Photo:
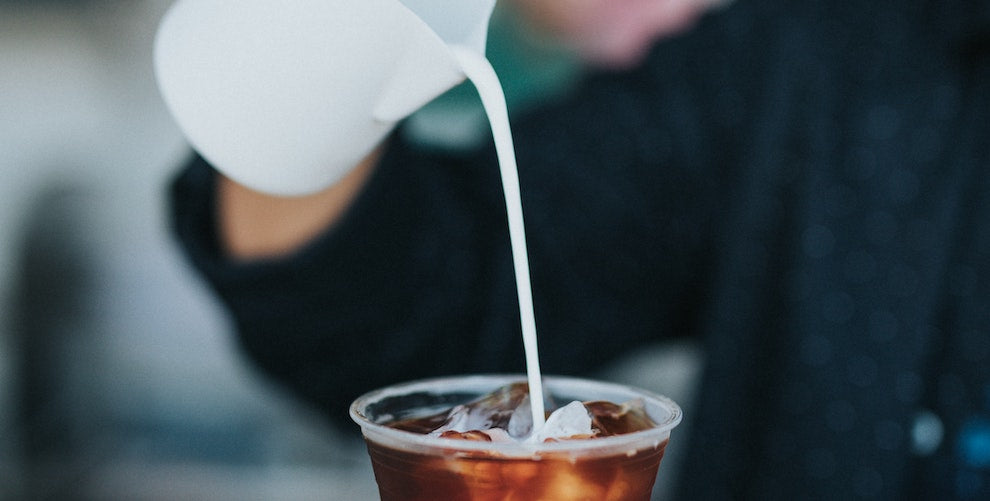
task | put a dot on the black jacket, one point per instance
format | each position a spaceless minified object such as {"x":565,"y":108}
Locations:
{"x":802,"y":186}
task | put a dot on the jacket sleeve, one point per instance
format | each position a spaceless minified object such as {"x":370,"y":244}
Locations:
{"x":388,"y":293}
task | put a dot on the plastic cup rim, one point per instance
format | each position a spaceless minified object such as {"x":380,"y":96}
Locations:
{"x":391,"y":437}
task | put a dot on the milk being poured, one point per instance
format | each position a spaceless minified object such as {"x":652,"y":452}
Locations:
{"x":481,"y":74}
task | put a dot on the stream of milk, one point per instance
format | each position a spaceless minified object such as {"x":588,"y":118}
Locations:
{"x":480,"y":72}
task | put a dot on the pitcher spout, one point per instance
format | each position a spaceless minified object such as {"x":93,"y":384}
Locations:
{"x":427,"y":66}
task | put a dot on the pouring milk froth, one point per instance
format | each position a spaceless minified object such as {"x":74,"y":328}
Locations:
{"x":263,"y":90}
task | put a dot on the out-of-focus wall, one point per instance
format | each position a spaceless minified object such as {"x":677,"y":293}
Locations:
{"x":118,"y":375}
{"x":77,"y":110}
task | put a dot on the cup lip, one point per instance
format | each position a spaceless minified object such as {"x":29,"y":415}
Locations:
{"x":607,"y":445}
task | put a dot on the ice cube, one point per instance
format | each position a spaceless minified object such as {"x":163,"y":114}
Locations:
{"x":570,"y":421}
{"x":521,"y":421}
{"x":472,"y":436}
{"x":499,"y":435}
{"x":492,"y":435}
{"x":566,"y":483}
{"x":617,"y":419}
{"x":491,"y":411}
{"x":620,"y":488}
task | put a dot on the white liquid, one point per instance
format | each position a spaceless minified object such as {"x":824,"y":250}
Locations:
{"x":481,"y":74}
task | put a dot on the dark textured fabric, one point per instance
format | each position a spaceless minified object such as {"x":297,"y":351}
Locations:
{"x":802,"y":186}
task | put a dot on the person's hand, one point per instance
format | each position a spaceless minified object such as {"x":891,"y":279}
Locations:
{"x":255,"y":225}
{"x":614,"y":33}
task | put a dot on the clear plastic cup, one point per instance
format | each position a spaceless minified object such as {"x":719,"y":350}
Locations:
{"x":414,"y":467}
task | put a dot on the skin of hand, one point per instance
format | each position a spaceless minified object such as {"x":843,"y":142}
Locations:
{"x":611,"y":33}
{"x":255,"y":225}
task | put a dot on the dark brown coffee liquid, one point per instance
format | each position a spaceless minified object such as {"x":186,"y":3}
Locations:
{"x":483,"y":476}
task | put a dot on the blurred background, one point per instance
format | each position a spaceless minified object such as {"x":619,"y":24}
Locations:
{"x":118,"y":375}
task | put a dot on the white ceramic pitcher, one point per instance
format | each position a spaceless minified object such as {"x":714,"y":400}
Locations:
{"x":286,"y":96}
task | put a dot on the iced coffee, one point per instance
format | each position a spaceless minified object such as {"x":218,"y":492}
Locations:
{"x":472,"y":438}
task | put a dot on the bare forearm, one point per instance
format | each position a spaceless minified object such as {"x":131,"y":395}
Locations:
{"x":255,"y":225}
